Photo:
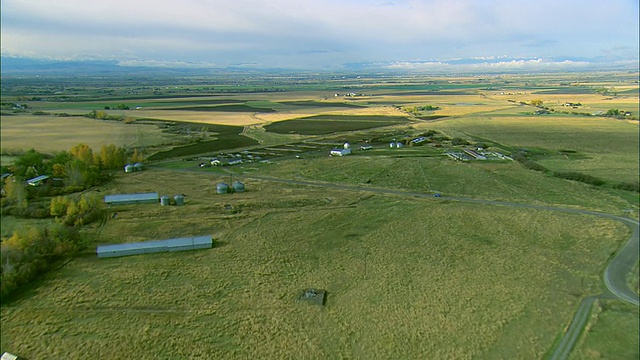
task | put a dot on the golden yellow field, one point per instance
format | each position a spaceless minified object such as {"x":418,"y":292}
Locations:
{"x":52,"y":133}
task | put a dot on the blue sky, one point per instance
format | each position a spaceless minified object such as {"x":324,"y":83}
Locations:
{"x":317,"y":34}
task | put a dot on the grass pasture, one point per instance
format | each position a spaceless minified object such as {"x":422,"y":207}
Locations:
{"x":506,"y":181}
{"x":434,"y":288}
{"x":407,"y":277}
{"x":610,"y":147}
{"x":611,"y":334}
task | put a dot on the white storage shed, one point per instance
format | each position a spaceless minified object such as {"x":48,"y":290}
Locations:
{"x":155,"y":246}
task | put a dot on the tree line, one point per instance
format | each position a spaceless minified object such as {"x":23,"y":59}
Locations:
{"x":32,"y":250}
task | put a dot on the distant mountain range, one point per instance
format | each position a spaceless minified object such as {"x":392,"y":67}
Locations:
{"x":29,"y":66}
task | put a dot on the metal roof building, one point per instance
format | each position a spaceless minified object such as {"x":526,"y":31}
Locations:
{"x":122,"y":199}
{"x":37,"y":181}
{"x":155,"y":246}
{"x":8,"y":356}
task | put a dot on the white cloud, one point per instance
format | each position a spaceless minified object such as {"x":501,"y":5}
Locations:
{"x":315,"y":32}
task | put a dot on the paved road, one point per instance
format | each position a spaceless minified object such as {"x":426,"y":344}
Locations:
{"x":615,"y":274}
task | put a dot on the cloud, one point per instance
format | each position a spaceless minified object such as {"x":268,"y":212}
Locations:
{"x":314,"y":33}
{"x":493,"y":65}
{"x":165,"y":64}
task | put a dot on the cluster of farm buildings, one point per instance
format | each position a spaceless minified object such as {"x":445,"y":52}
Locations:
{"x":479,"y":154}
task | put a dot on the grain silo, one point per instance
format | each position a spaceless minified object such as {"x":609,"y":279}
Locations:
{"x":164,"y":200}
{"x":222,"y":188}
{"x":128,"y":168}
{"x":179,"y":200}
{"x":238,"y":187}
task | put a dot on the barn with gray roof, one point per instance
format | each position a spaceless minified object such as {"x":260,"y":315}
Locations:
{"x":123,"y":199}
{"x":155,"y":246}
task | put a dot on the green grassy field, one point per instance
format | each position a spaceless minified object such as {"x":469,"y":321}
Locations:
{"x":484,"y":180}
{"x":389,"y":277}
{"x":611,"y":334}
{"x":610,"y":147}
{"x":407,"y":277}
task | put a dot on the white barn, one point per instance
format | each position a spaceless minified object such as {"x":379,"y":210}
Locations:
{"x":155,"y":246}
{"x":123,"y":199}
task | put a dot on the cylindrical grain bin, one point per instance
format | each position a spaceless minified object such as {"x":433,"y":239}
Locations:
{"x":164,"y":200}
{"x":179,"y":200}
{"x":128,"y":168}
{"x":222,"y":188}
{"x":238,"y":187}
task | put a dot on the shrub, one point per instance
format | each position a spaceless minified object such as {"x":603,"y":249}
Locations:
{"x":576,"y":176}
{"x":459,"y":141}
{"x":629,"y":186}
{"x":87,"y":209}
{"x":31,"y":251}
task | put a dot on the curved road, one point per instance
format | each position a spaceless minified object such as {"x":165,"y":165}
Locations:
{"x":615,"y":274}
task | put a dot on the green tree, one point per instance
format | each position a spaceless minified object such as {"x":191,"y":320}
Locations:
{"x":137,"y":156}
{"x":59,"y":205}
{"x":16,"y":193}
{"x":76,"y":171}
{"x":112,"y":157}
{"x":31,"y":159}
{"x":88,"y":209}
{"x":60,"y":158}
{"x":59,"y":170}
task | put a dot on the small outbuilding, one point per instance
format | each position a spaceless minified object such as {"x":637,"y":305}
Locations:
{"x":155,"y":246}
{"x":126,"y":199}
{"x":39,"y":180}
{"x":9,"y":356}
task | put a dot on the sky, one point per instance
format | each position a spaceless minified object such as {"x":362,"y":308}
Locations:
{"x":325,"y":34}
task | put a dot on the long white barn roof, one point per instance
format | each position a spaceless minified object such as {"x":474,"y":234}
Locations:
{"x":131,"y":197}
{"x":186,"y":243}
